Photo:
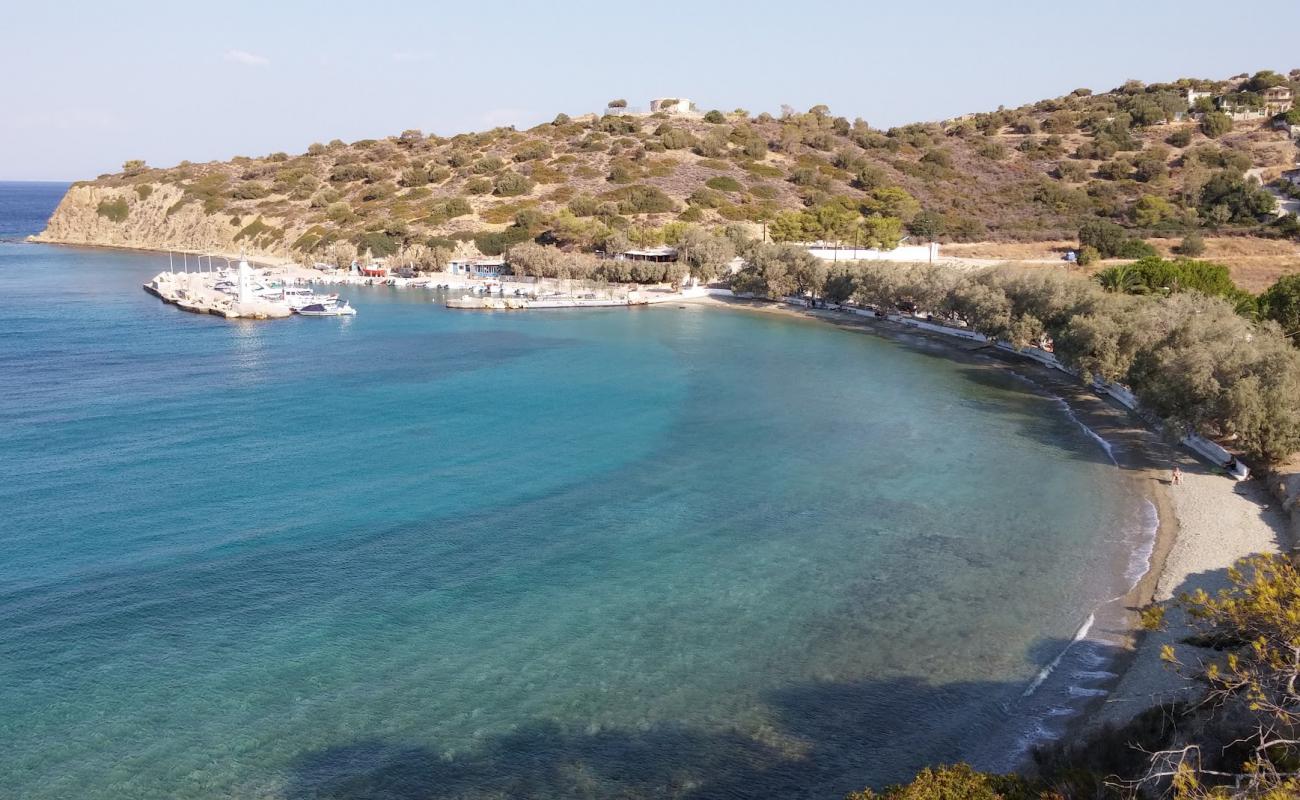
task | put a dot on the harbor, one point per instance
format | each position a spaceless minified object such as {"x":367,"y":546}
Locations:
{"x":242,"y":292}
{"x":245,"y":292}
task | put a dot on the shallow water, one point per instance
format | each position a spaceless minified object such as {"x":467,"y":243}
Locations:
{"x":423,"y":553}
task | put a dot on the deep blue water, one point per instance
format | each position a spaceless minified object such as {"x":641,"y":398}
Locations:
{"x":427,"y":553}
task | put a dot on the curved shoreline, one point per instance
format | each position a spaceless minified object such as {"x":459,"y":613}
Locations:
{"x":1204,"y":525}
{"x":1192,"y":547}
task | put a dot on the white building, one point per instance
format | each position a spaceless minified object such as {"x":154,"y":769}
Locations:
{"x":480,"y":268}
{"x":672,"y":105}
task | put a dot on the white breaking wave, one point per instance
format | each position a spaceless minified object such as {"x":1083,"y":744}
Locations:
{"x":1047,"y":670}
{"x":1140,"y":560}
{"x":1105,"y":445}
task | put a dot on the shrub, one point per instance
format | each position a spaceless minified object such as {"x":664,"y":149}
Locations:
{"x":993,"y":151}
{"x":1112,"y":241}
{"x":340,"y":212}
{"x":641,"y":199}
{"x":1215,"y":124}
{"x":487,"y":165}
{"x":620,"y":174}
{"x":143,"y":190}
{"x":724,"y":183}
{"x":533,"y":150}
{"x":495,"y":243}
{"x":457,"y":207}
{"x":1088,"y":255}
{"x":617,"y":124}
{"x":115,"y":210}
{"x":380,"y":243}
{"x":478,"y":186}
{"x":715,"y":117}
{"x":762,"y":170}
{"x":561,"y":119}
{"x":511,"y":184}
{"x":1179,"y":138}
{"x":415,"y":176}
{"x":1191,"y":246}
{"x":619,"y":103}
{"x":250,"y":190}
{"x":348,"y":173}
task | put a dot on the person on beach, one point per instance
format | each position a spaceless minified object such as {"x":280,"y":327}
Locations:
{"x":1178,"y":476}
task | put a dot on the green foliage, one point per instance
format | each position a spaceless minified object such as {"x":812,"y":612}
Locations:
{"x":255,"y":230}
{"x":1155,"y":275}
{"x":1112,"y":241}
{"x":250,"y":190}
{"x":532,"y":151}
{"x":457,"y":207}
{"x":1281,"y":303}
{"x":143,"y":190}
{"x":379,"y":243}
{"x":724,"y":183}
{"x":133,"y":167}
{"x":641,"y":199}
{"x":348,"y":173}
{"x":1088,"y":255}
{"x":715,"y":117}
{"x":1180,"y":138}
{"x":488,"y":165}
{"x":115,"y":210}
{"x":413,"y":177}
{"x":478,"y":186}
{"x":1228,"y":196}
{"x":495,"y":243}
{"x":561,"y":119}
{"x":1215,"y":124}
{"x":511,"y":184}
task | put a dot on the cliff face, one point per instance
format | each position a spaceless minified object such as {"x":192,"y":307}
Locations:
{"x":89,"y":214}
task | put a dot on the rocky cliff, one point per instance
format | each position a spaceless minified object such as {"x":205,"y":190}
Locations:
{"x":154,"y":219}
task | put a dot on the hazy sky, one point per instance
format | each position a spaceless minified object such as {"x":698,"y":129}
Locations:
{"x":89,"y":85}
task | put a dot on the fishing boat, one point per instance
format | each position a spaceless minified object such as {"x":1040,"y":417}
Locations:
{"x":327,"y":310}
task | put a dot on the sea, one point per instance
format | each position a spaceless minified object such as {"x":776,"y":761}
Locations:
{"x":419,"y":553}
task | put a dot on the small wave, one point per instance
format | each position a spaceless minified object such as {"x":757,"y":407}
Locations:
{"x":1140,"y":559}
{"x":1047,"y":670}
{"x":1093,"y":674}
{"x":1069,"y":412}
{"x":1084,"y":691}
{"x":1105,"y":445}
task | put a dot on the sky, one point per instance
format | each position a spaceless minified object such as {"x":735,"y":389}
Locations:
{"x":87,"y":86}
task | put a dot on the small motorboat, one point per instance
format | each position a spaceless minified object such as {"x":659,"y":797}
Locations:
{"x":341,"y":309}
{"x":298,"y":298}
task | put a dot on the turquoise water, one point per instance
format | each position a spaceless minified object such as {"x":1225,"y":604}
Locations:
{"x":671,"y":552}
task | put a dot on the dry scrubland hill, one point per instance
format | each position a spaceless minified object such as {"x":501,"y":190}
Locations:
{"x":1030,"y":173}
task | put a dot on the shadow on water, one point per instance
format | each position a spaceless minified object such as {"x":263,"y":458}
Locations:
{"x":826,"y":739}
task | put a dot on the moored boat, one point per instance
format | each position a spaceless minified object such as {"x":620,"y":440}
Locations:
{"x":327,"y":310}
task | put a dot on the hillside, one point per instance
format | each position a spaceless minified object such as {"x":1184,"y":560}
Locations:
{"x":1135,"y":155}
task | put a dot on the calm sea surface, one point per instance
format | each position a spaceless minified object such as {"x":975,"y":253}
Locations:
{"x":424,"y":553}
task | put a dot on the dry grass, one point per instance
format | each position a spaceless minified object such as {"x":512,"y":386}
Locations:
{"x":1255,"y":264}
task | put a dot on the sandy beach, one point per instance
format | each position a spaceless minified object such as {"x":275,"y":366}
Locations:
{"x":1206,"y":523}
